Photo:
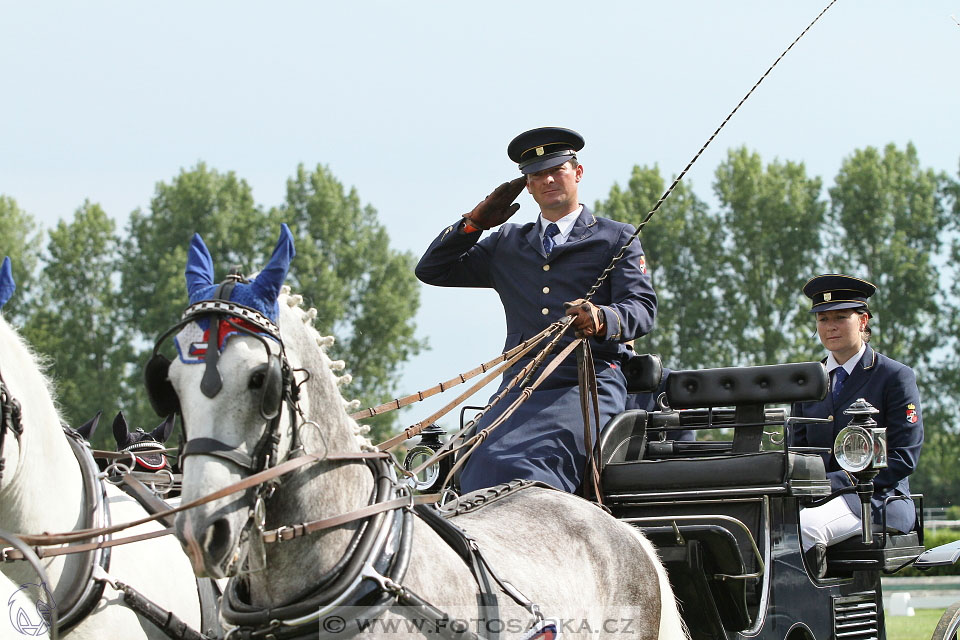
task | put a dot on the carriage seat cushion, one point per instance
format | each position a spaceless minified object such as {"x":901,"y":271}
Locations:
{"x":734,"y":470}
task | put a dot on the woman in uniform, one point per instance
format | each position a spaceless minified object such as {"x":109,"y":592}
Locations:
{"x":857,"y":371}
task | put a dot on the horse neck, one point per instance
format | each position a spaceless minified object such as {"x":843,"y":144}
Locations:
{"x":45,"y":490}
{"x":319,"y":491}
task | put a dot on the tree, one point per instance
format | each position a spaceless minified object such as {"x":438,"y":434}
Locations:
{"x":682,"y":249}
{"x":890,"y":214}
{"x":939,"y":472}
{"x":364,"y":291}
{"x":76,"y":323}
{"x":21,"y":241}
{"x":772,"y":219}
{"x":218,"y":206}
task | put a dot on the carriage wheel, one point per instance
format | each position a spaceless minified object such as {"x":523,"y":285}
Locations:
{"x":949,"y":623}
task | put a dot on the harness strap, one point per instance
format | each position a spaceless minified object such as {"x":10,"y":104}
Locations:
{"x":207,"y":589}
{"x":466,"y":547}
{"x":211,"y":383}
{"x":460,"y":379}
{"x":304,"y":528}
{"x":481,"y":435}
{"x":167,"y":621}
{"x":146,"y":498}
{"x":9,"y":418}
{"x":246,"y":483}
{"x":27,"y":554}
{"x":415,"y":430}
{"x":587,"y":376}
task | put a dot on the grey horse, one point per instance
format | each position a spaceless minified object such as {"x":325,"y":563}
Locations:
{"x":590,"y":574}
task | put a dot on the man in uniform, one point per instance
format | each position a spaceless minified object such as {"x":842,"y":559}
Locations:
{"x":536,"y":268}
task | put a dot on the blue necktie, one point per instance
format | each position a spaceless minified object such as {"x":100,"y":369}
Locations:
{"x":840,"y":374}
{"x":548,"y":244}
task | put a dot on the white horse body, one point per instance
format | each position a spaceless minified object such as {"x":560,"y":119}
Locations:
{"x":565,"y":554}
{"x":42,"y":491}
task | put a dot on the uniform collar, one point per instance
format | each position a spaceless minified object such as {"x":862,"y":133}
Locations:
{"x":849,"y":365}
{"x":565,"y":224}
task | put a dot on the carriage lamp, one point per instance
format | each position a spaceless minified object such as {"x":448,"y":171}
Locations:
{"x":430,"y":478}
{"x":861,"y":444}
{"x":861,"y":450}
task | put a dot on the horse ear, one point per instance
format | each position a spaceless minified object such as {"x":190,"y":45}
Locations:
{"x":7,"y":285}
{"x":268,"y":282}
{"x":121,"y":433}
{"x":199,"y":271}
{"x":90,"y":426}
{"x":162,"y":432}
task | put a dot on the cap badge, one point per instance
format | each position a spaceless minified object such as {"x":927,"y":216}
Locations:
{"x":826,"y":297}
{"x":539,"y":151}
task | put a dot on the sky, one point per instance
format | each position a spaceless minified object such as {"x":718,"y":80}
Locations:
{"x":413,"y":104}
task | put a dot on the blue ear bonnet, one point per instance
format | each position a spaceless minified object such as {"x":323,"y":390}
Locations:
{"x":260,"y":293}
{"x":7,"y":286}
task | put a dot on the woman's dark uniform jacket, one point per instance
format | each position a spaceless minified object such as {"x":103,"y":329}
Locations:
{"x":544,"y":439}
{"x":891,"y":387}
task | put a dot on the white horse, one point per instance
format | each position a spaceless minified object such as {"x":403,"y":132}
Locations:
{"x":596,"y":576}
{"x":43,"y":490}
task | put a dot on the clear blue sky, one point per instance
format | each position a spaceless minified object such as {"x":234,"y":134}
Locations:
{"x":413,"y":103}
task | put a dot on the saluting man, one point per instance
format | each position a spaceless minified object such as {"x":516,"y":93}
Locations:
{"x":536,"y":267}
{"x":857,"y":371}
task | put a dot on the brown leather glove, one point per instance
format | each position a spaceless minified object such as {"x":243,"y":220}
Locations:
{"x":496,"y":208}
{"x":590,"y":319}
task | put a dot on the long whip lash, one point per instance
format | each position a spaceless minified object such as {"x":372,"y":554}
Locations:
{"x":417,"y":397}
{"x":676,"y":181}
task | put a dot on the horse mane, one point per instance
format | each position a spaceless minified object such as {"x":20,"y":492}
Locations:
{"x":297,"y":328}
{"x":20,"y":358}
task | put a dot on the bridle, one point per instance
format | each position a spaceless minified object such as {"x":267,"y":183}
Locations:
{"x":10,"y":418}
{"x":276,"y":387}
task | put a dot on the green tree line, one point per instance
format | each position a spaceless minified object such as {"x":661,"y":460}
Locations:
{"x":728,"y":276}
{"x":101,"y":298}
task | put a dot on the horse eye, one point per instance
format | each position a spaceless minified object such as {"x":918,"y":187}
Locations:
{"x":256,"y":379}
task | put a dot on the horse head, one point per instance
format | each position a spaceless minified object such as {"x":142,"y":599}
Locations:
{"x":146,"y":448}
{"x":244,"y":383}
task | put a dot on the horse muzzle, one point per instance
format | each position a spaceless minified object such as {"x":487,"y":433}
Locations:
{"x":211,"y":543}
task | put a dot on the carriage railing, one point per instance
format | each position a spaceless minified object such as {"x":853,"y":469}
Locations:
{"x":720,"y":421}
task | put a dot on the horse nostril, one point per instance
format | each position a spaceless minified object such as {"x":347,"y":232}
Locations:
{"x":216,"y":540}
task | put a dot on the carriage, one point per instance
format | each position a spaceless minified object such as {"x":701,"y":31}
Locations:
{"x":722,"y":512}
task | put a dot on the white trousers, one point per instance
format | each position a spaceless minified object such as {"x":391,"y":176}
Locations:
{"x":829,"y":524}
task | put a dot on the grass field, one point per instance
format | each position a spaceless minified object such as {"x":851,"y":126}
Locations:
{"x":918,"y":627}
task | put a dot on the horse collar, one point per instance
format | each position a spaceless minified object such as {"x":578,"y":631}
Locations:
{"x":86,"y":589}
{"x":376,"y":560}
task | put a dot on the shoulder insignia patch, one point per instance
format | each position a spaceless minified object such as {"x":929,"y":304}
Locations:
{"x":912,"y":416}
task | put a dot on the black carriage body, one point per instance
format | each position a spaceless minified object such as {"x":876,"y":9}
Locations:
{"x":723,"y":515}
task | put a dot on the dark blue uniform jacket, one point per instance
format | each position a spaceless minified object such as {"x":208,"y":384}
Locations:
{"x":890,"y":387}
{"x":544,"y":439}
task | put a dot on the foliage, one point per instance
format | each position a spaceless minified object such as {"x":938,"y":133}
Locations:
{"x":889,"y":214}
{"x":772,"y":217}
{"x":681,"y":247}
{"x":21,"y":241}
{"x":364,"y":291}
{"x":728,"y":278}
{"x":75,"y":323}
